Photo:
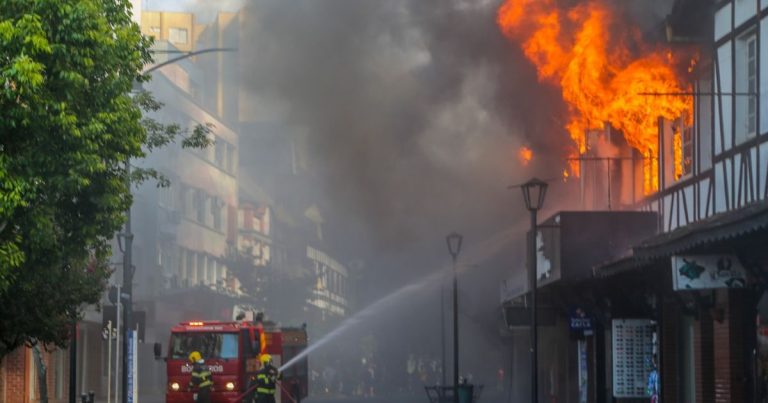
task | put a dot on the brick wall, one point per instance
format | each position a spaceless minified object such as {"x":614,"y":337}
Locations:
{"x":15,"y":381}
{"x":729,"y":349}
{"x":2,"y":380}
{"x":14,"y":369}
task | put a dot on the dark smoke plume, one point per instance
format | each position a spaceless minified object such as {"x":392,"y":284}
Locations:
{"x":415,"y":111}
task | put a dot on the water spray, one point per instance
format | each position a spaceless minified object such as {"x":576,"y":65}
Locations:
{"x":482,"y":250}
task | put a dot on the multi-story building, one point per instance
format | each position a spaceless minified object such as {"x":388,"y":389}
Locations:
{"x":176,"y":28}
{"x":680,"y":291}
{"x":275,"y":180}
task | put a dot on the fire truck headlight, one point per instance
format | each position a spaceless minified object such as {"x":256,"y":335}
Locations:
{"x":175,"y":386}
{"x":230,"y":386}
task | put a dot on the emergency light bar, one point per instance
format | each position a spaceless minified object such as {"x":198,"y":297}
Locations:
{"x":196,"y":323}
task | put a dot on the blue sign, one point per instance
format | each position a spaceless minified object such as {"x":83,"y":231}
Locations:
{"x":129,"y":387}
{"x":580,"y":322}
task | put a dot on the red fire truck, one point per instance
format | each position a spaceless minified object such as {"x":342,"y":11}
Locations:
{"x":231,"y":351}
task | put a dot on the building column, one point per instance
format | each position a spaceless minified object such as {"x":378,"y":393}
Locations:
{"x":704,"y":351}
{"x":669,"y":369}
{"x":730,"y":329}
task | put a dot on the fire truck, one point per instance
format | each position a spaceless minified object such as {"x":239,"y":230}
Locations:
{"x":231,"y":351}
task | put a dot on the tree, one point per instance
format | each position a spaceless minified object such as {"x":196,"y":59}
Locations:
{"x":69,"y":125}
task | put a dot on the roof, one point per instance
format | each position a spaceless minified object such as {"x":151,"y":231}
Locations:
{"x":720,"y":227}
{"x":710,"y":231}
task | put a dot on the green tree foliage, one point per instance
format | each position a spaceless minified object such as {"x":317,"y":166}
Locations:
{"x":68,"y":127}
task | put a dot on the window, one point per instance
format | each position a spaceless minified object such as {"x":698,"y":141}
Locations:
{"x":230,"y":158}
{"x":751,"y":45}
{"x":687,"y":150}
{"x":201,"y":275}
{"x":187,"y":200}
{"x":210,"y":345}
{"x":216,"y":207}
{"x":201,"y":200}
{"x":166,"y":197}
{"x":177,"y":35}
{"x":192,"y":268}
{"x":682,"y":144}
{"x":221,"y":147}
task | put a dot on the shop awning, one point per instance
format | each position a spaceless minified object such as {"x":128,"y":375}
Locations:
{"x":708,"y":232}
{"x":718,"y":228}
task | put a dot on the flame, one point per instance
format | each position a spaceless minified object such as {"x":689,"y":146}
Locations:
{"x":677,"y":153}
{"x":602,"y":81}
{"x":525,"y":154}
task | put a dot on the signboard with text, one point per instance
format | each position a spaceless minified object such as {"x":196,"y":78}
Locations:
{"x":580,"y":322}
{"x":632,"y":344}
{"x":698,"y":272}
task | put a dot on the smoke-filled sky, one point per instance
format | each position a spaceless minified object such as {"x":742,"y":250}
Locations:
{"x":415,"y":111}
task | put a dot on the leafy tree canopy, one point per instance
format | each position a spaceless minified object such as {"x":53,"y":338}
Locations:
{"x":68,"y":127}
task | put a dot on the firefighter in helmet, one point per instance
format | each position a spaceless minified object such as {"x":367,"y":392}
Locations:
{"x":266,"y":380}
{"x":201,"y":381}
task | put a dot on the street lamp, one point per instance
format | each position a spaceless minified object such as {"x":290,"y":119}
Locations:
{"x":454,"y":247}
{"x":534,"y":192}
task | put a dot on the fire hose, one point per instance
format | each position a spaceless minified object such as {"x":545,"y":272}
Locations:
{"x":239,"y":398}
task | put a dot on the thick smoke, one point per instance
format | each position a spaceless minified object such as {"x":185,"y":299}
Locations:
{"x":415,"y":111}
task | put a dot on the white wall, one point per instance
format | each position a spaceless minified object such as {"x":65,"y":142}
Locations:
{"x":724,"y":56}
{"x":722,"y":22}
{"x":745,"y":9}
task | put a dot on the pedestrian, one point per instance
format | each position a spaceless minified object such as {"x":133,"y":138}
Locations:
{"x":201,"y":381}
{"x":266,"y":380}
{"x":653,"y":381}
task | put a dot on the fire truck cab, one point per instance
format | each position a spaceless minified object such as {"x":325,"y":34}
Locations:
{"x":231,"y":351}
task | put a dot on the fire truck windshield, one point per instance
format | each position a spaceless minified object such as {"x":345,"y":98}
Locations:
{"x":210,"y":345}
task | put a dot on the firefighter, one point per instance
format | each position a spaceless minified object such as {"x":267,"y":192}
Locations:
{"x":201,"y":378}
{"x":266,"y":380}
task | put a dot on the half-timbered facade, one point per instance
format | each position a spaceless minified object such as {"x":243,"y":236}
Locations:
{"x":709,"y":193}
{"x":720,"y":163}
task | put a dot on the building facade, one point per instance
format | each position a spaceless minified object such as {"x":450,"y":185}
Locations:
{"x":686,"y":299}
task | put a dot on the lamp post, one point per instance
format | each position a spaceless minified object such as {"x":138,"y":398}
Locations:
{"x":534,"y":192}
{"x":442,"y":330}
{"x":454,"y":247}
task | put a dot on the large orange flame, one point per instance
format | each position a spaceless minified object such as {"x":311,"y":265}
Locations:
{"x":602,"y":81}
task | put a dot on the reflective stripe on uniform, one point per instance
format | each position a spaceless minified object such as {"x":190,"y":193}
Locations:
{"x":265,"y":390}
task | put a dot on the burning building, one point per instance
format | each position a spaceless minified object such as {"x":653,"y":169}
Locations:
{"x":672,"y":124}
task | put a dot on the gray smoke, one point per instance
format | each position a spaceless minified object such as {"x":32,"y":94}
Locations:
{"x":415,"y":111}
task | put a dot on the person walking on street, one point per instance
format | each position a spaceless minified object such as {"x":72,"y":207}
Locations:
{"x":266,"y":380}
{"x":201,"y":378}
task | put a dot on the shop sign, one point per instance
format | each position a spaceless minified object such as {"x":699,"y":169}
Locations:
{"x":632,"y":342}
{"x":696,"y":272}
{"x":580,"y":322}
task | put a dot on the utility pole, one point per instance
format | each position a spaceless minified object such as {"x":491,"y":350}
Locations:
{"x":454,"y":247}
{"x":127,"y":291}
{"x":73,"y":363}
